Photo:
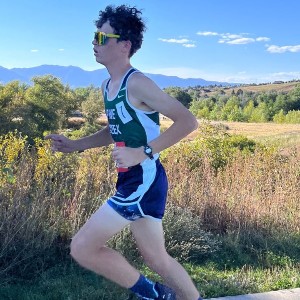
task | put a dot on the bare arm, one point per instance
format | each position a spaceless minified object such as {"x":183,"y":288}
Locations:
{"x":143,"y":92}
{"x":148,"y":92}
{"x":98,"y":139}
{"x":63,"y":144}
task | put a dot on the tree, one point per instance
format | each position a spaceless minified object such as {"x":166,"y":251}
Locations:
{"x":180,"y":95}
{"x":279,"y":117}
{"x":281,"y":103}
{"x":93,"y":106}
{"x":293,"y":117}
{"x":12,"y":104}
{"x":260,"y":113}
{"x":248,"y":110}
{"x":294,"y":99}
{"x":230,"y":110}
{"x":47,"y":105}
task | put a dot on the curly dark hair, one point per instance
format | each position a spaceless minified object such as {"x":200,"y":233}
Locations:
{"x":127,"y":22}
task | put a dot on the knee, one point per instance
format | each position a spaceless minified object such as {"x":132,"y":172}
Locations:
{"x":82,"y":251}
{"x":77,"y":249}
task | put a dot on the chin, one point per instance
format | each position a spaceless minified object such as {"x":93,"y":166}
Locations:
{"x":99,"y":60}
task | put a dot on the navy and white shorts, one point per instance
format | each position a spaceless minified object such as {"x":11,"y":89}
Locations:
{"x":141,"y":191}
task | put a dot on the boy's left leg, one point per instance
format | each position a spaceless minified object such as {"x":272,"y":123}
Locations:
{"x":149,"y":237}
{"x":88,"y":247}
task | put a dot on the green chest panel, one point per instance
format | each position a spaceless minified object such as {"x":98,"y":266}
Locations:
{"x":126,"y":123}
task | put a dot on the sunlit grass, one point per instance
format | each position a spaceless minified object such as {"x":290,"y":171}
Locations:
{"x":73,"y":283}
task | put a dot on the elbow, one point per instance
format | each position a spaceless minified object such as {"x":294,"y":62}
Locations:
{"x":196,"y":124}
{"x":193,"y":124}
{"x":189,"y":122}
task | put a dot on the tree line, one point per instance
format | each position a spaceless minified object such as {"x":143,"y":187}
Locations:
{"x":240,"y":106}
{"x":47,"y":105}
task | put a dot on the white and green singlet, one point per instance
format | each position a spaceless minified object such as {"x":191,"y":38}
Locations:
{"x":133,"y":126}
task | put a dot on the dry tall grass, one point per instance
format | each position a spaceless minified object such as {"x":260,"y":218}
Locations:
{"x":45,"y":198}
{"x":253,"y":192}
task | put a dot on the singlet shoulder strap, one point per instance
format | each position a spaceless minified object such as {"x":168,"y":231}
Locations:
{"x":132,"y":70}
{"x":124,"y":82}
{"x":107,"y":83}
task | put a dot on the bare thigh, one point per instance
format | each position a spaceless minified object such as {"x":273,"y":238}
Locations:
{"x":149,"y":237}
{"x":101,"y":226}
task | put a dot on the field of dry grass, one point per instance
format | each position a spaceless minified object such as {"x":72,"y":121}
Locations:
{"x":256,"y":131}
{"x":282,"y":87}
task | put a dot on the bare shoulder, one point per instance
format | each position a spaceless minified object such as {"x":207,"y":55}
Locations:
{"x":144,"y":90}
{"x":140,"y":80}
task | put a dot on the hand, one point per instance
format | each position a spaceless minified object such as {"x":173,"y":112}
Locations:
{"x":60,"y":143}
{"x":127,"y":157}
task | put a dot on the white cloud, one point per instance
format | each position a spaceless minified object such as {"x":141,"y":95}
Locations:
{"x":177,"y":41}
{"x":184,"y":42}
{"x":189,"y":45}
{"x":61,"y":49}
{"x":34,"y":50}
{"x":262,"y":39}
{"x":285,"y":76}
{"x":241,"y":41}
{"x":233,"y":38}
{"x":243,"y":77}
{"x":283,"y":49}
{"x":207,"y":33}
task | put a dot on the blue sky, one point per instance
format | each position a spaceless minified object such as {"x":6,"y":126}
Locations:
{"x":249,"y":41}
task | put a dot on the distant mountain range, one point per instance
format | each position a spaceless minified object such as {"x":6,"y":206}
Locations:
{"x":77,"y":77}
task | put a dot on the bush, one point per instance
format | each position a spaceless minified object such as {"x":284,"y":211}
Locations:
{"x":185,"y":240}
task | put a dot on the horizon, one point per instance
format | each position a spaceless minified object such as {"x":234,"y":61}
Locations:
{"x":214,"y":41}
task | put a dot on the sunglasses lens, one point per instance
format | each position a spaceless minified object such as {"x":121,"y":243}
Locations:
{"x":96,"y":37}
{"x":101,"y":38}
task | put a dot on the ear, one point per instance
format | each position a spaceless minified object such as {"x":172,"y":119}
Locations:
{"x":126,"y":46}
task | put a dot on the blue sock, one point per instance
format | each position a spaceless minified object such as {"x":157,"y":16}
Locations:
{"x":144,"y":288}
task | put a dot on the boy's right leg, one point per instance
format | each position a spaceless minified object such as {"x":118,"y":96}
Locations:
{"x":149,"y":236}
{"x":89,"y":250}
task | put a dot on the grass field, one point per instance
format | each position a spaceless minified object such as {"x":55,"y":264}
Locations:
{"x":284,"y":135}
{"x":270,"y":133}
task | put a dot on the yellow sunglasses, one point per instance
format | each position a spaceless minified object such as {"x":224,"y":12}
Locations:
{"x":102,"y":37}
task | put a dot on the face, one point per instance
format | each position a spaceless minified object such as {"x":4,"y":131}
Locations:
{"x":109,"y":50}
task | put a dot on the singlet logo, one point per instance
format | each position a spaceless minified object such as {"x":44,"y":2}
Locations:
{"x":123,"y":113}
{"x":114,"y":129}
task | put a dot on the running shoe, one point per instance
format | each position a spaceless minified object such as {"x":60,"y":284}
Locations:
{"x":164,"y":293}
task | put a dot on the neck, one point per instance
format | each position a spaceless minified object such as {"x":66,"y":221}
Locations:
{"x":117,"y":71}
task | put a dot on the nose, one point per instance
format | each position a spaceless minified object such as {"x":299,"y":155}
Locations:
{"x":94,"y":42}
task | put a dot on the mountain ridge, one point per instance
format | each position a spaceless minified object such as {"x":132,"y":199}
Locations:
{"x":78,"y":77}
